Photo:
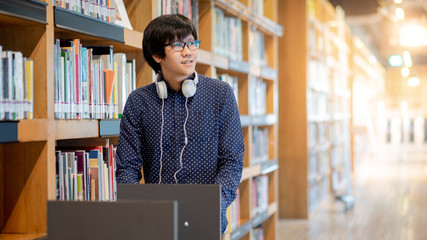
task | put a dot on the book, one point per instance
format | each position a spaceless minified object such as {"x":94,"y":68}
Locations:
{"x":7,"y":84}
{"x":29,"y":73}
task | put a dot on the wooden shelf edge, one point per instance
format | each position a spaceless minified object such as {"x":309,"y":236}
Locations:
{"x":251,"y":171}
{"x":33,"y":130}
{"x":70,"y":129}
{"x":133,"y":38}
{"x":204,"y":57}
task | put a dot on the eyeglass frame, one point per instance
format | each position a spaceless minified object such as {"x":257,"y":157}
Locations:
{"x":196,"y":42}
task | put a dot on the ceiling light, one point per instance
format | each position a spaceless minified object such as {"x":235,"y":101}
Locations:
{"x":399,"y":13}
{"x":405,"y":72}
{"x":413,"y":81}
{"x":412,"y":35}
{"x":395,"y":60}
{"x":398,"y":1}
{"x":407,"y":59}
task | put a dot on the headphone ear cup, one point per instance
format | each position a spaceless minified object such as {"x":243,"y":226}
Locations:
{"x":188,"y":88}
{"x":162,"y":90}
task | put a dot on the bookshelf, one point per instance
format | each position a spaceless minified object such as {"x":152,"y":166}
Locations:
{"x":315,"y":110}
{"x":27,"y":151}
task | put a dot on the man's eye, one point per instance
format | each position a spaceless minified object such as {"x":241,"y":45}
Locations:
{"x":190,"y":43}
{"x":177,"y":44}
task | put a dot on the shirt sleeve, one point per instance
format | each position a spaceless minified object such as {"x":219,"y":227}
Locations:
{"x":128,"y":157}
{"x":231,"y":149}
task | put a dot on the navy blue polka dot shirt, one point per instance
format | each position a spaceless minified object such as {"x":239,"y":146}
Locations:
{"x":214,"y":150}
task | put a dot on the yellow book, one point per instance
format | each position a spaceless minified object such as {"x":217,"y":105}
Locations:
{"x":29,"y":81}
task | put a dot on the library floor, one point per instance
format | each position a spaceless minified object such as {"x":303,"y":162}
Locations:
{"x":390,"y":194}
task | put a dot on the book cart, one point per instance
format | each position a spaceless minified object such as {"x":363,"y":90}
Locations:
{"x":27,"y":147}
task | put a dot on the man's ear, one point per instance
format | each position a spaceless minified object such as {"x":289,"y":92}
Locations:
{"x":156,"y":58}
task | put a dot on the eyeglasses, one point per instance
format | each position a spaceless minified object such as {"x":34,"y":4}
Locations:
{"x":179,"y":46}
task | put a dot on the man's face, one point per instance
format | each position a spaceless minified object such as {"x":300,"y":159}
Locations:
{"x":178,"y":65}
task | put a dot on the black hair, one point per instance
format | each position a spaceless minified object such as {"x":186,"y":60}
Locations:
{"x":161,"y":31}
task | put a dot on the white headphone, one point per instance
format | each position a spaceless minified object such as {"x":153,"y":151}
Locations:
{"x":188,"y":89}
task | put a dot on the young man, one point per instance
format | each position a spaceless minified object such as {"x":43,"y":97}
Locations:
{"x":184,"y":128}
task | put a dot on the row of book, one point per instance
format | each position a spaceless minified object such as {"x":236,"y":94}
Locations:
{"x":259,"y":195}
{"x":336,"y":131}
{"x":188,"y":8}
{"x":228,"y":40}
{"x":318,"y":103}
{"x":318,"y":164}
{"x":257,"y":45}
{"x":260,"y":142}
{"x":258,"y":233}
{"x":91,"y":82}
{"x":233,"y":81}
{"x":318,"y":76}
{"x":104,"y":10}
{"x":317,"y":191}
{"x":86,"y":173}
{"x":258,"y":93}
{"x":317,"y":134}
{"x":233,"y":214}
{"x":16,"y":86}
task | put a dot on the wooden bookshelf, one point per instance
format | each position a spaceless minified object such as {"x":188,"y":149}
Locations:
{"x":27,"y":154}
{"x":315,"y":105}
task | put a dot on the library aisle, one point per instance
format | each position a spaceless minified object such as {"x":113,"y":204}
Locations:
{"x":390,"y":193}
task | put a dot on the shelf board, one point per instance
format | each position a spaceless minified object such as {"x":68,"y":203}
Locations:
{"x":260,"y":218}
{"x":70,"y":129}
{"x":269,"y":167}
{"x":220,"y":61}
{"x":245,"y":120}
{"x":239,"y":66}
{"x":76,"y":22}
{"x":29,"y":10}
{"x":269,"y":73}
{"x":27,"y":130}
{"x":266,"y":214}
{"x":109,"y":127}
{"x":251,"y":171}
{"x":33,"y":130}
{"x":133,"y":38}
{"x":204,"y":57}
{"x":264,"y":120}
{"x":241,"y":231}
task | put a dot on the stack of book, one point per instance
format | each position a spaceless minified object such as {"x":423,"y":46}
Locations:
{"x":16,"y":86}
